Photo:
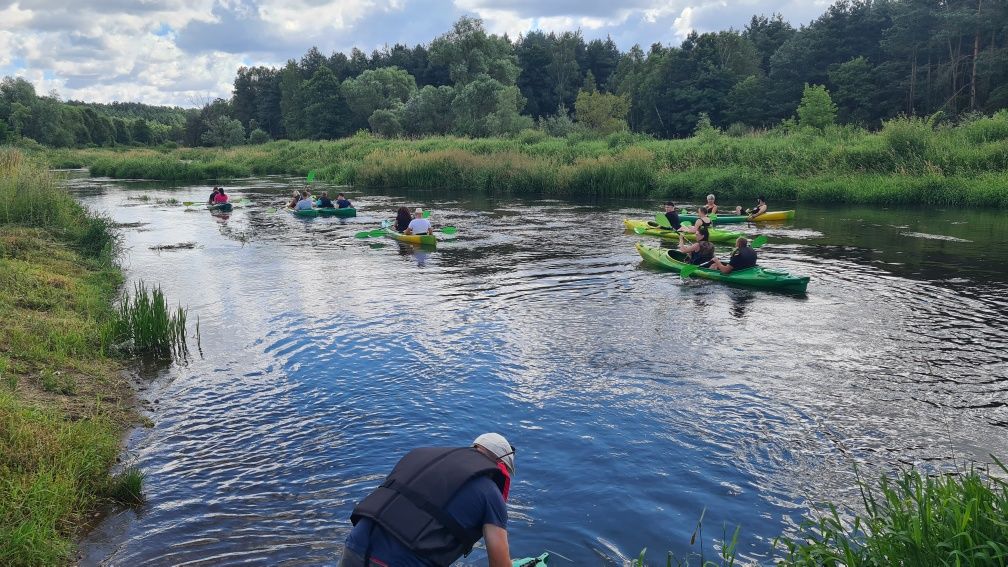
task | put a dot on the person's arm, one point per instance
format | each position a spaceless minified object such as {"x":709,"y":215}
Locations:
{"x":723,"y":268}
{"x":498,"y":554}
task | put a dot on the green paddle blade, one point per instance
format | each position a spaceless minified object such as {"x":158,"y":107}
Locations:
{"x":662,"y":220}
{"x":688,"y":270}
{"x":426,"y":214}
{"x":759,"y":241}
{"x":377,"y":232}
{"x":188,"y":203}
{"x":712,"y":217}
{"x":311,"y":176}
{"x":363,"y":234}
{"x":448,"y":230}
{"x":639,"y":229}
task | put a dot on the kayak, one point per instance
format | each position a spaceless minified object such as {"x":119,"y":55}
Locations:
{"x":311,"y":213}
{"x":220,"y":207}
{"x":541,"y":561}
{"x":421,"y":239}
{"x":729,"y":219}
{"x":716,"y":235}
{"x":757,"y":276}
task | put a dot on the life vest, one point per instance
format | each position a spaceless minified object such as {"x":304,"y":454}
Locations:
{"x":410,"y":504}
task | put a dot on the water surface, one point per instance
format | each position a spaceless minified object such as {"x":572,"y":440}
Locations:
{"x":635,"y":399}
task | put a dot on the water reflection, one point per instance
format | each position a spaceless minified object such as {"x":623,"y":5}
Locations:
{"x":639,"y":399}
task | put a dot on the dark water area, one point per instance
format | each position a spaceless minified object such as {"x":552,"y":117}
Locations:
{"x":635,"y":399}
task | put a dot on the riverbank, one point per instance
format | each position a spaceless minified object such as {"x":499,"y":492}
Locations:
{"x":909,"y":162}
{"x":64,"y":404}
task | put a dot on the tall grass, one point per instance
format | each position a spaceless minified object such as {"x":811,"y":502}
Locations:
{"x":913,"y":519}
{"x":910,"y":161}
{"x":145,"y":325}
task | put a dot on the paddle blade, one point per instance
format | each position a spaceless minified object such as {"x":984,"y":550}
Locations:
{"x":662,"y":220}
{"x":311,"y":176}
{"x":426,"y":214}
{"x":639,"y":229}
{"x":687,"y":270}
{"x":377,"y":232}
{"x":448,"y":230}
{"x":759,"y":241}
{"x":363,"y":234}
{"x":188,"y":203}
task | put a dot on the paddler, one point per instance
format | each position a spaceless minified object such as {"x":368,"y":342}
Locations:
{"x":712,"y":207}
{"x":434,"y":506}
{"x":761,"y":207}
{"x":342,"y":202}
{"x":742,"y":257}
{"x":702,"y":225}
{"x":210,"y":201}
{"x":700,"y":253}
{"x":324,"y":202}
{"x":419,"y":225}
{"x":402,"y":220}
{"x":672,"y":214}
{"x":305,"y":203}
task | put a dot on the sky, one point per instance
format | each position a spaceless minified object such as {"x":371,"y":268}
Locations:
{"x":186,"y":52}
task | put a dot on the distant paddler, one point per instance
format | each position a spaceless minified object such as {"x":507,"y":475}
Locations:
{"x":712,"y":207}
{"x":218,"y":197}
{"x":759,"y":209}
{"x":419,"y":225}
{"x":305,"y":203}
{"x":702,"y":225}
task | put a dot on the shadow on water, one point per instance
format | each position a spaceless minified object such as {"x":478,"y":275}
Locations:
{"x":636,"y":399}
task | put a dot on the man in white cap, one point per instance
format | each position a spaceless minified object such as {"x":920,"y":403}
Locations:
{"x":419,"y":225}
{"x":434,"y":506}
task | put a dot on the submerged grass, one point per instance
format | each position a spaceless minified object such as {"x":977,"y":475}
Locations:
{"x":910,"y":161}
{"x":63,"y":402}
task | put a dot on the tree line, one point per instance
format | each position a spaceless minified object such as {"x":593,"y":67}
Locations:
{"x":873,"y":60}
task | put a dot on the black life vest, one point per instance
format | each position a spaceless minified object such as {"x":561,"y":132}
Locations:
{"x":410,"y":504}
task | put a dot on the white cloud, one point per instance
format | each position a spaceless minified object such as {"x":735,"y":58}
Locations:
{"x":187,"y":51}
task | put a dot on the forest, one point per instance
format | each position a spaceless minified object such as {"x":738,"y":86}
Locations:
{"x":873,"y":59}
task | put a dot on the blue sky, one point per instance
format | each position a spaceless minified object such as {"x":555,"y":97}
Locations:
{"x":185,"y":52}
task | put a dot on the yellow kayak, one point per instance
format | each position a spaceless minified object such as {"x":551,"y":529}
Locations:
{"x":422,"y":239}
{"x":716,"y":235}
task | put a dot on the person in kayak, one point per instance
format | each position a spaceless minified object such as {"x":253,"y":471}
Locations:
{"x":702,"y":225}
{"x":305,"y":203}
{"x":742,"y":257}
{"x":213,"y":195}
{"x":434,"y":506}
{"x":295,"y":197}
{"x":402,"y":220}
{"x":220,"y":197}
{"x":761,"y":207}
{"x":324,"y":202}
{"x":700,"y":253}
{"x":672,"y":214}
{"x":342,"y":202}
{"x":712,"y":207}
{"x":419,"y":225}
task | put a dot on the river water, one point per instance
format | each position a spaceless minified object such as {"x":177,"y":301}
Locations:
{"x":635,"y":400}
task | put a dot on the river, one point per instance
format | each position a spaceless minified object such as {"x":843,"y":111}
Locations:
{"x":635,"y":400}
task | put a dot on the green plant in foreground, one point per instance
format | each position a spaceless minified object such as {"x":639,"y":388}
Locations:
{"x":914,"y":519}
{"x":726,"y":553}
{"x":126,"y":487}
{"x":145,"y":324}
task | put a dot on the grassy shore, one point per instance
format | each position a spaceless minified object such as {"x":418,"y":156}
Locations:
{"x":910,"y":161}
{"x":63,"y":402}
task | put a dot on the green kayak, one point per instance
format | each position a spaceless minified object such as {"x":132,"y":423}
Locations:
{"x":716,"y":235}
{"x":541,"y":561}
{"x":311,"y":213}
{"x":757,"y":277}
{"x":220,"y":207}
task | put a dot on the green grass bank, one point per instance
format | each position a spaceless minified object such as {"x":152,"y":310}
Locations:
{"x":64,"y":404}
{"x":910,"y":161}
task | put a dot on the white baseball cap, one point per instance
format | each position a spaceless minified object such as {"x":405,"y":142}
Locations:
{"x":499,"y":446}
{"x":418,"y":211}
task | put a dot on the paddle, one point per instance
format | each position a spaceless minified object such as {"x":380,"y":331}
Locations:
{"x":662,"y":221}
{"x":311,"y":176}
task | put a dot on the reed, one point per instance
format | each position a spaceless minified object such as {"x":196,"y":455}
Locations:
{"x":910,"y":161}
{"x":146,"y":325}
